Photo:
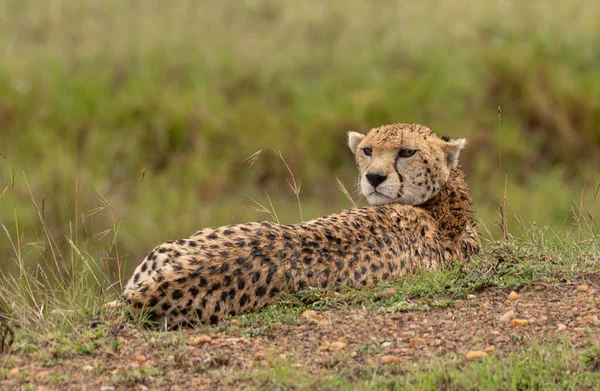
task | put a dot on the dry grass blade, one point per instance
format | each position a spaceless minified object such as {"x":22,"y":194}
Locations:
{"x":345,"y":191}
{"x":253,"y":158}
{"x":4,"y":191}
{"x":503,"y":218}
{"x":295,"y":185}
{"x":260,"y":208}
{"x":103,"y":234}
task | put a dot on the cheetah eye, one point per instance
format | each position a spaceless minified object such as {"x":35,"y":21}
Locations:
{"x":368,"y":151}
{"x":405,"y":152}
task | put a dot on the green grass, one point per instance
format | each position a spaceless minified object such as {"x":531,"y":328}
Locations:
{"x":98,"y":96}
{"x":123,"y":126}
{"x":541,"y":367}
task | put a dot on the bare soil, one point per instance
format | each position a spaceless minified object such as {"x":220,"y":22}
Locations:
{"x":338,"y":340}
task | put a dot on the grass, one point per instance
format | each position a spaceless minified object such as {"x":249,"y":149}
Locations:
{"x":543,"y":367}
{"x":54,"y":313}
{"x":123,"y":127}
{"x":157,"y":107}
{"x":59,"y":306}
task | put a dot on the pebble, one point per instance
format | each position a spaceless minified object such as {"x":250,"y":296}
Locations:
{"x":87,"y":368}
{"x":387,"y":293}
{"x":416,"y":342}
{"x":323,"y":323}
{"x":561,"y":327}
{"x":513,"y":296}
{"x":200,"y":339}
{"x":277,"y":325}
{"x":388,"y":359}
{"x":475,"y":354}
{"x":13,"y":372}
{"x":520,"y":322}
{"x":508,"y":316}
{"x":311,"y":315}
{"x":489,"y":349}
{"x":338,"y":345}
{"x":140,"y":358}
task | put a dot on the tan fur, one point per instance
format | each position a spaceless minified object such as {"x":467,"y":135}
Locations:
{"x":423,"y":220}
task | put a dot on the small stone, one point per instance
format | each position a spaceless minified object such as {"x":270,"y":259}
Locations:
{"x":475,"y":354}
{"x":141,"y":358}
{"x":87,"y":368}
{"x":338,"y":345}
{"x":507,"y":316}
{"x":389,"y":359}
{"x":323,"y":323}
{"x":471,"y":297}
{"x":13,"y":372}
{"x":353,"y":354}
{"x":583,"y":288}
{"x":311,"y":315}
{"x":277,"y":325}
{"x":387,"y":293}
{"x":489,"y":348}
{"x":196,"y":381}
{"x":520,"y":322}
{"x":414,"y":342}
{"x":561,"y":327}
{"x":199,"y":339}
{"x":323,"y":348}
{"x":386,"y":344}
{"x":513,"y":296}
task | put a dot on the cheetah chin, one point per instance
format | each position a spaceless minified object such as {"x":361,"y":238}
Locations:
{"x":420,"y":218}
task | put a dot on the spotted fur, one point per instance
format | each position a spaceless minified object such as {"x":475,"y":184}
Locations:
{"x":426,"y":223}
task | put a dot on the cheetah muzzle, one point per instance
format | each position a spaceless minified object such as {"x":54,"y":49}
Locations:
{"x":420,"y":218}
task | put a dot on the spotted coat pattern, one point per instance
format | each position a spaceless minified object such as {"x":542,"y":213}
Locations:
{"x":244,"y":267}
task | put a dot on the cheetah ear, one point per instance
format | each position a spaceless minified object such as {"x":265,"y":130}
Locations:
{"x":452,"y":149}
{"x":354,"y":138}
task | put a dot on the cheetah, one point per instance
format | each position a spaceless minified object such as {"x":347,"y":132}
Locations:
{"x":420,"y":218}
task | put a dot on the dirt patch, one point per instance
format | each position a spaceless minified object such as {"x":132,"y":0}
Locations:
{"x":331,"y":340}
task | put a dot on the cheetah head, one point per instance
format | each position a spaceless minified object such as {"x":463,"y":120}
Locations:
{"x":403,"y":163}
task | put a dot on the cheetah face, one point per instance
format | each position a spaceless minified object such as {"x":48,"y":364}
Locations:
{"x":403,"y":163}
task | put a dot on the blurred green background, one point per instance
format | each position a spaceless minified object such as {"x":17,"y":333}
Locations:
{"x":129,"y":121}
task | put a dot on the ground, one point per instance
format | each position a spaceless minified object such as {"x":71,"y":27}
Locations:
{"x":419,"y":333}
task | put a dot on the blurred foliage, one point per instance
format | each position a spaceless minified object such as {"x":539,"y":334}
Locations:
{"x":154,"y":106}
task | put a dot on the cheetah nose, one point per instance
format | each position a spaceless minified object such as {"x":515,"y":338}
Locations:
{"x":375,"y":179}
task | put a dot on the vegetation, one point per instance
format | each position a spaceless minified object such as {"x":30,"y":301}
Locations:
{"x":123,"y":125}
